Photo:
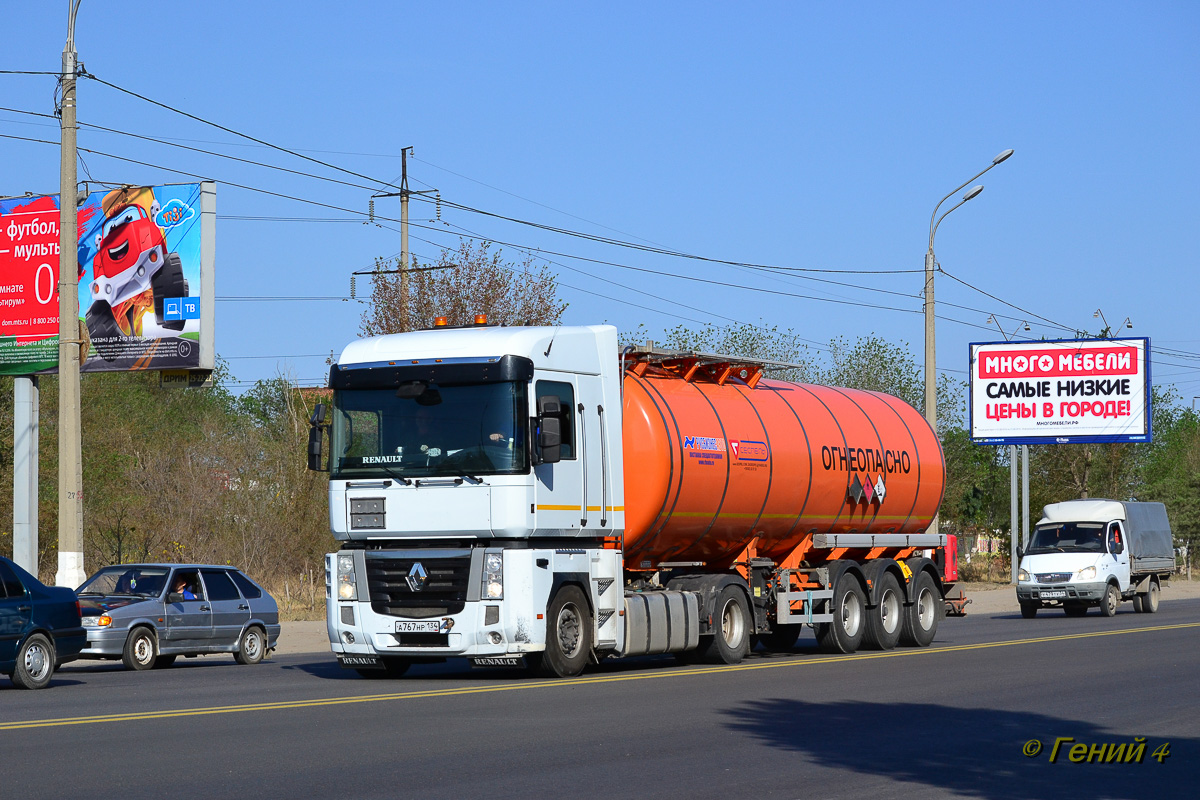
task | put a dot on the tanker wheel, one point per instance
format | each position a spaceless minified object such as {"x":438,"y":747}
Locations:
{"x":782,"y":638}
{"x":845,"y":633}
{"x":731,"y":621}
{"x":106,"y":336}
{"x":885,"y":619}
{"x":169,"y":282}
{"x":568,"y":635}
{"x":922,"y":617}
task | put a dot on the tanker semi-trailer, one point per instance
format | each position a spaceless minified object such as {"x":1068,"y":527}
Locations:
{"x":536,"y":496}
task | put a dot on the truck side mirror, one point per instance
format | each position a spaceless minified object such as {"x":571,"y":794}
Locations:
{"x":1020,"y":552}
{"x":549,"y":429}
{"x":314,"y":438}
{"x":318,"y":415}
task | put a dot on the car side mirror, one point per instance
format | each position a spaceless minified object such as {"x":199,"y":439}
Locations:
{"x":175,"y":597}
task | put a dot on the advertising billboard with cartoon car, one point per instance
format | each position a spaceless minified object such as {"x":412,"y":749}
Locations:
{"x":145,"y":279}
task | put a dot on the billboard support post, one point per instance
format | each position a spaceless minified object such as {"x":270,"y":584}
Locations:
{"x":25,"y":472}
{"x":70,"y":466}
{"x":1012,"y":508}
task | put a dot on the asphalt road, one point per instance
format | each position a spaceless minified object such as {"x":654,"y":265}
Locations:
{"x":950,"y":720}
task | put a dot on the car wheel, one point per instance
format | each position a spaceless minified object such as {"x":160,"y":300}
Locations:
{"x":140,"y":651}
{"x":162,"y":662}
{"x":845,"y":633}
{"x":731,"y":638}
{"x":921,"y":619}
{"x":252,"y":647}
{"x":1150,"y":601}
{"x":568,"y":635}
{"x":169,"y":282}
{"x":884,"y":620}
{"x":1112,"y":599}
{"x":106,"y":336}
{"x":1029,"y":610}
{"x":35,"y":663}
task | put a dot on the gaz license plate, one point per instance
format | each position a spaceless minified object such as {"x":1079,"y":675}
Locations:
{"x":1055,"y":593}
{"x":425,"y":626}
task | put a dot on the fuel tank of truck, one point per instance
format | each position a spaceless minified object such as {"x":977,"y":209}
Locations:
{"x":710,"y":466}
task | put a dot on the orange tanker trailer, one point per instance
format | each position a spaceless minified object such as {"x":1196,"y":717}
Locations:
{"x":818,"y":496}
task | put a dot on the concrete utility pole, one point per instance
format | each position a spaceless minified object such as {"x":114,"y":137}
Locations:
{"x":930,"y":264}
{"x":404,"y":321}
{"x":70,"y":460}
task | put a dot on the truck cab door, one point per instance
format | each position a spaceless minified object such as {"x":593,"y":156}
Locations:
{"x":558,"y":487}
{"x":1118,"y":549}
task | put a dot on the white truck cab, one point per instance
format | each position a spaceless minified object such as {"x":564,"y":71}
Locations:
{"x":1087,"y":553}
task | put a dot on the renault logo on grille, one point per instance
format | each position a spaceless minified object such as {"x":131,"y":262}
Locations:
{"x":417,"y":576}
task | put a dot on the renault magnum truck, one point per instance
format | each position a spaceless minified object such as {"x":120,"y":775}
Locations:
{"x":538,"y":496}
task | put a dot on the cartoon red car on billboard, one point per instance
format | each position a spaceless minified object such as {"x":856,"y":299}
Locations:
{"x":132,"y":271}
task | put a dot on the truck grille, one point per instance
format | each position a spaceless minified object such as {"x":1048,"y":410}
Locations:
{"x":441,"y":590}
{"x":1053,"y":577}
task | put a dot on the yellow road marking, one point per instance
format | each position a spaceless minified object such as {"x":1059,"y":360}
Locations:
{"x":596,"y":679}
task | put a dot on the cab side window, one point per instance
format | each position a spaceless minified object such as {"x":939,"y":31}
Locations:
{"x":565,"y":393}
{"x":1116,"y":539}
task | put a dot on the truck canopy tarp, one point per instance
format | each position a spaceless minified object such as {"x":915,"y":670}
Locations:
{"x":1148,"y":530}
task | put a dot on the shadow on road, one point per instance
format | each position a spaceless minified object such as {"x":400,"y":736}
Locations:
{"x":973,"y":752}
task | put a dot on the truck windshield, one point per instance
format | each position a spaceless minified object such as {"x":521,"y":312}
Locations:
{"x":1068,"y":537}
{"x":430,"y":431}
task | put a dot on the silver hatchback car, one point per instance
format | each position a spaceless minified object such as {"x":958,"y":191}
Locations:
{"x":148,"y":614}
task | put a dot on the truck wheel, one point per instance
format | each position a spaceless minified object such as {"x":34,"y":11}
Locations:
{"x":1110,"y":601}
{"x":102,"y":325}
{"x":845,"y":633}
{"x":1029,"y":610}
{"x":393,"y":667}
{"x":731,"y":621}
{"x":568,"y":635}
{"x":169,"y":282}
{"x":885,"y":619}
{"x":921,"y":619}
{"x":35,"y":663}
{"x":1150,"y":601}
{"x":782,"y":638}
{"x":139,"y":652}
{"x":1075,"y":609}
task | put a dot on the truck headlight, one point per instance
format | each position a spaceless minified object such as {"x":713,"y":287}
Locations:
{"x":493,"y":576}
{"x":345,"y":582}
{"x":1086,"y":573}
{"x":1022,"y":576}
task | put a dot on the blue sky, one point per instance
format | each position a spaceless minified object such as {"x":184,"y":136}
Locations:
{"x":791,"y":134}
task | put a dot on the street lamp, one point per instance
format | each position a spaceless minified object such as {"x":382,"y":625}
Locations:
{"x":930,"y":261}
{"x":993,"y":321}
{"x":1098,"y":314}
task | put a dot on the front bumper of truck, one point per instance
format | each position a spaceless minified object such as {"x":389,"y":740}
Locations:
{"x":1051,"y":594}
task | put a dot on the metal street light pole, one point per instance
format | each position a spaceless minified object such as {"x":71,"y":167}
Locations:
{"x":930,"y":263}
{"x":70,"y":466}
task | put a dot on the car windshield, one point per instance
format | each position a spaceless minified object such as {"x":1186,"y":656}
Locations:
{"x":425,"y":430}
{"x":122,"y":217}
{"x":1068,"y":537}
{"x":138,"y":581}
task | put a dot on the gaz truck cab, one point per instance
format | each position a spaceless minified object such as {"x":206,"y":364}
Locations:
{"x":1086,"y":553}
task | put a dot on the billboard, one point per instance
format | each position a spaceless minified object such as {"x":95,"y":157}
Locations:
{"x":1065,"y":391}
{"x":145,"y":259}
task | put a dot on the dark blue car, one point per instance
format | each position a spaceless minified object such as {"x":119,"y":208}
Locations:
{"x":40,"y":627}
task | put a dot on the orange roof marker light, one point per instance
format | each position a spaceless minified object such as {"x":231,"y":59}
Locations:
{"x":439,"y":322}
{"x":481,"y":319}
